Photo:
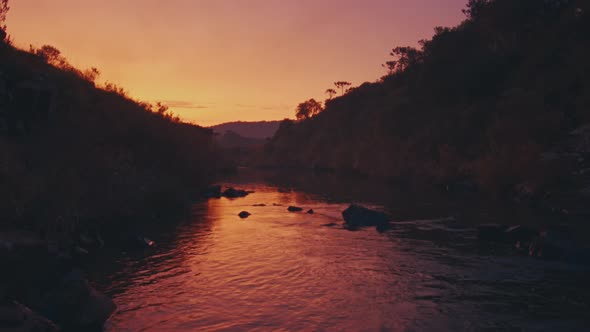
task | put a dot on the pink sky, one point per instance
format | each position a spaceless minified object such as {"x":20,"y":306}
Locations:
{"x":215,"y":61}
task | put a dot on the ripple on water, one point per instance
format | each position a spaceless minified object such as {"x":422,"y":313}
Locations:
{"x":278,"y":270}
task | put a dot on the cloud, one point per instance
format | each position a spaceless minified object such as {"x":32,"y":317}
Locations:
{"x":264,"y":107}
{"x":184,"y":104}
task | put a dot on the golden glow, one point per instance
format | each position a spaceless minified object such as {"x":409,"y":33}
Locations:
{"x":214,"y":61}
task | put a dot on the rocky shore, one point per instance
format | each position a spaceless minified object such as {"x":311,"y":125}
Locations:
{"x":43,"y":287}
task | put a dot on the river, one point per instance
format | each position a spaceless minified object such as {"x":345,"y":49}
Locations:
{"x":278,"y":270}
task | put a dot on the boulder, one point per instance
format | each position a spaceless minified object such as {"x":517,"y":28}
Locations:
{"x":356,"y":216}
{"x":244,"y":214}
{"x":15,"y":317}
{"x":75,"y":304}
{"x":213,"y":191}
{"x":234,"y":193}
{"x":294,"y":209}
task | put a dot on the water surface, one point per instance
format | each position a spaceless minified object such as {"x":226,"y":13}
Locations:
{"x":278,"y":270}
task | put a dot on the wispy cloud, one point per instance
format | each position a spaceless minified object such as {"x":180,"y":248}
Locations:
{"x":185,"y":104}
{"x":263,"y":107}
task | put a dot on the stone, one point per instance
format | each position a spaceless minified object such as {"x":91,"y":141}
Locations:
{"x":234,"y":193}
{"x":294,"y":209}
{"x":358,"y":216}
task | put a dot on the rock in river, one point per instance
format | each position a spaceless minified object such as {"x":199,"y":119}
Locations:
{"x":234,"y":193}
{"x":358,"y":216}
{"x":294,"y":209}
{"x":213,"y":191}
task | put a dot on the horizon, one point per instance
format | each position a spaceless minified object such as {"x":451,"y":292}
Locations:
{"x":157,"y":54}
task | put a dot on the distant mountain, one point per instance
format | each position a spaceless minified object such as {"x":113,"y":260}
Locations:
{"x":260,"y":129}
{"x":231,"y":139}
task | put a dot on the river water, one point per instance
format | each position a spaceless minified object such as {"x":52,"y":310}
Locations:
{"x":284,"y":271}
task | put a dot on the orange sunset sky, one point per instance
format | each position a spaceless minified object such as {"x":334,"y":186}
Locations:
{"x":215,"y":61}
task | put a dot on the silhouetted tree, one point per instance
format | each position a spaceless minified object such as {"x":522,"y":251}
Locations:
{"x":474,"y":8}
{"x":390,"y":66}
{"x":405,"y":56}
{"x":4,"y":8}
{"x":50,"y":54}
{"x":341,"y":85}
{"x":91,"y":74}
{"x":331,"y":93}
{"x":308,"y":109}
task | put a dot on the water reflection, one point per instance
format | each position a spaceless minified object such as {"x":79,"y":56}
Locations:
{"x":283,"y":271}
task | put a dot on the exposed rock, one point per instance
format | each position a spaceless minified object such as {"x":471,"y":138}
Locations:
{"x":310,"y":211}
{"x":294,"y":209}
{"x":234,"y":193}
{"x":144,"y":241}
{"x":74,"y":303}
{"x":358,"y":216}
{"x":244,"y":214}
{"x":15,"y":317}
{"x":213,"y":191}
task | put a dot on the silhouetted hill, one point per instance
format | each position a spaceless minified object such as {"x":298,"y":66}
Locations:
{"x":260,"y":129}
{"x":73,"y":153}
{"x":230,"y":139}
{"x":498,"y":103}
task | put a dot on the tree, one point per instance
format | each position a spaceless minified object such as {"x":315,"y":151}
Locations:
{"x":308,"y":109}
{"x":474,"y":8}
{"x":50,"y":54}
{"x":91,"y":74}
{"x":331,"y":93}
{"x":341,"y":85}
{"x":405,"y":56}
{"x":391,"y":67}
{"x":4,"y":8}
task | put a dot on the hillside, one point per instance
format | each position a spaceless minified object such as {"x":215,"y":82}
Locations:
{"x":260,"y":129}
{"x":74,"y":154}
{"x":498,"y":102}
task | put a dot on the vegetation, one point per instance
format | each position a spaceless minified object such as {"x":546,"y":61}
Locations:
{"x":331,"y":93}
{"x":341,"y":85}
{"x":308,"y":109}
{"x":75,"y":153}
{"x":487,"y":101}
